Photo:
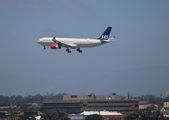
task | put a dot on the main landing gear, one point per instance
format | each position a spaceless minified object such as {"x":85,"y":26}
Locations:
{"x":79,"y":50}
{"x":68,"y":50}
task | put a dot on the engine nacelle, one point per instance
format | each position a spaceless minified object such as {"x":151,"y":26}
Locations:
{"x":54,"y":46}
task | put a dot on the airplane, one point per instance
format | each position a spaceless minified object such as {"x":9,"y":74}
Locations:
{"x":75,"y":43}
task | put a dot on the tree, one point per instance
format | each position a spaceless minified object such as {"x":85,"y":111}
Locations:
{"x":55,"y":115}
{"x":23,"y":107}
{"x":27,"y":117}
{"x":146,"y":114}
{"x":113,"y":118}
{"x":94,"y":117}
{"x":14,"y":117}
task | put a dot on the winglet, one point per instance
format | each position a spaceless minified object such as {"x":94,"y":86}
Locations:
{"x":105,"y":35}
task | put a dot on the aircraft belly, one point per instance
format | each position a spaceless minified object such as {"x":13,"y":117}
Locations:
{"x":88,"y":45}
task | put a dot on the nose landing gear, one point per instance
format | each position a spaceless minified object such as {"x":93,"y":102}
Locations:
{"x":44,"y":47}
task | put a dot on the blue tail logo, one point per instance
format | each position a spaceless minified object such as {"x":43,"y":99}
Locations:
{"x":105,"y":35}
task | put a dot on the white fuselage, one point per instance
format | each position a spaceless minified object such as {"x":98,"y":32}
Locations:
{"x":73,"y":42}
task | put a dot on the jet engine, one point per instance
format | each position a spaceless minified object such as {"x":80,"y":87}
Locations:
{"x":54,"y":46}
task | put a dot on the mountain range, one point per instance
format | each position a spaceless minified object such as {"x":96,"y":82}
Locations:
{"x":139,"y":81}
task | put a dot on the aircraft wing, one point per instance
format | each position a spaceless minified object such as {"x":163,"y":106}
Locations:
{"x":62,"y":44}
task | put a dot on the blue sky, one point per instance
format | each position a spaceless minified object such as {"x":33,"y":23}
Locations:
{"x":142,"y":27}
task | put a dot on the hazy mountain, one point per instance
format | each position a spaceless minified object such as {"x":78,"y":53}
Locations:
{"x":148,"y":80}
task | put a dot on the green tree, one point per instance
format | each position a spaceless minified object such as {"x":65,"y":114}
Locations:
{"x":27,"y":117}
{"x":114,"y":119}
{"x":23,"y":107}
{"x":55,"y":115}
{"x":14,"y":117}
{"x":94,"y":117}
{"x":146,"y":114}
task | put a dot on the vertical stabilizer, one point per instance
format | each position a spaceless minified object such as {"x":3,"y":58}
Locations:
{"x":106,"y":33}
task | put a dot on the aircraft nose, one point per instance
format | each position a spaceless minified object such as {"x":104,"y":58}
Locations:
{"x":39,"y":41}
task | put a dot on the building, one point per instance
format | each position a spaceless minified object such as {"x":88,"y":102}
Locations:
{"x":79,"y":97}
{"x":143,"y":105}
{"x":165,"y":112}
{"x":167,"y":94}
{"x":4,"y":114}
{"x":166,"y":104}
{"x":38,"y":117}
{"x":79,"y":103}
{"x":77,"y":117}
{"x":106,"y":115}
{"x":7,"y":107}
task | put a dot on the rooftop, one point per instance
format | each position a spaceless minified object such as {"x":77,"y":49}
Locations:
{"x":100,"y":113}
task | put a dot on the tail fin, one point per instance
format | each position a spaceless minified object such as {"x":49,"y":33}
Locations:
{"x":105,"y":35}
